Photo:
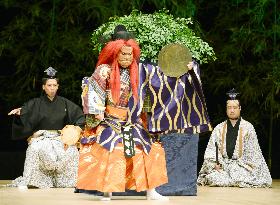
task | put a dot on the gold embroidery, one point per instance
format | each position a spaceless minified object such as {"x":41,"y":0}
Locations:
{"x":195,"y":108}
{"x":223,"y":137}
{"x":160,"y":100}
{"x":155,"y":97}
{"x":178,"y":105}
{"x":240,"y":143}
{"x":171,"y":97}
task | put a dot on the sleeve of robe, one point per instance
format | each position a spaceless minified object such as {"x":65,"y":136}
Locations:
{"x":75,"y":114}
{"x":185,"y":113}
{"x":210,"y":152}
{"x":23,"y":125}
{"x":197,"y":85}
{"x":252,"y":158}
{"x":250,"y":151}
{"x":94,"y":91}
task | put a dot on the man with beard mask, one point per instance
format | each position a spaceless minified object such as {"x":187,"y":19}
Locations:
{"x":117,"y":153}
{"x":233,"y":156}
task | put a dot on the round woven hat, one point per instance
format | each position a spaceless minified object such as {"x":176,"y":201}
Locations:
{"x":173,"y":59}
{"x":70,"y":134}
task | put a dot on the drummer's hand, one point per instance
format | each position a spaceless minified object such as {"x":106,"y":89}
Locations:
{"x":190,"y":65}
{"x":35,"y":134}
{"x":38,"y":133}
{"x":78,"y":128}
{"x":65,"y":147}
{"x":100,"y":116}
{"x":15,"y":111}
{"x":29,"y":140}
{"x":218,"y":167}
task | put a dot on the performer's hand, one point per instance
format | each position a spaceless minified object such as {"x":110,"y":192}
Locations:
{"x":78,"y":128}
{"x":100,"y":116}
{"x":38,"y":133}
{"x":105,"y":72}
{"x":15,"y":111}
{"x":35,"y":134}
{"x":218,"y":167}
{"x":190,"y":65}
{"x":65,"y":147}
{"x":29,"y":140}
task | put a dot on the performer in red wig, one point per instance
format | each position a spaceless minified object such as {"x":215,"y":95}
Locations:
{"x":117,"y":153}
{"x":125,"y":55}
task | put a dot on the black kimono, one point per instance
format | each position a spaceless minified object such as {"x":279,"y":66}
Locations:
{"x":47,"y":163}
{"x":43,"y":114}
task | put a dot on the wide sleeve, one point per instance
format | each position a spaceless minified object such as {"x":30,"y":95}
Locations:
{"x":253,"y":160}
{"x":174,"y":104}
{"x":94,"y":90}
{"x":195,"y":72}
{"x":252,"y":155}
{"x":23,"y":126}
{"x":75,"y":114}
{"x":211,"y":152}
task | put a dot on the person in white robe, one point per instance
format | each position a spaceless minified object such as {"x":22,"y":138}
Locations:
{"x":233,"y":156}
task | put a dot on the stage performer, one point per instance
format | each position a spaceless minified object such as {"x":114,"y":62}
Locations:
{"x":117,"y":152}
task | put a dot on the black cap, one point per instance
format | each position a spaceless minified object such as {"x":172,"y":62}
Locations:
{"x":232,"y":94}
{"x":50,"y":73}
{"x":120,"y":32}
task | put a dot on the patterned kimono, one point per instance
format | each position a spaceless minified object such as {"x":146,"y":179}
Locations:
{"x":246,"y":167}
{"x":176,"y":108}
{"x":105,"y":162}
{"x":177,"y":105}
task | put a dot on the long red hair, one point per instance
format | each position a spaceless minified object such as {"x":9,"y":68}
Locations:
{"x":109,"y":55}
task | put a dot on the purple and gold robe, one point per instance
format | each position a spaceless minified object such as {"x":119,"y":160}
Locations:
{"x":103,"y":164}
{"x":177,"y":104}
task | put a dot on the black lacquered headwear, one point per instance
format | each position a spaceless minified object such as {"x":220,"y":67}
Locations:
{"x":50,"y":73}
{"x":120,"y":32}
{"x":232,"y":94}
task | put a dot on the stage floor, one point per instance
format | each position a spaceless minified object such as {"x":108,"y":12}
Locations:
{"x":205,"y":195}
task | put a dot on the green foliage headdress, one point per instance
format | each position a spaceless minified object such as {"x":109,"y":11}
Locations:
{"x":154,"y":31}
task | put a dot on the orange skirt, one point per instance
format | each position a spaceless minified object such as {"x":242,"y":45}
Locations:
{"x":107,"y":171}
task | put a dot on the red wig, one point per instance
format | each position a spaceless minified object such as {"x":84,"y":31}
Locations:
{"x":109,"y":55}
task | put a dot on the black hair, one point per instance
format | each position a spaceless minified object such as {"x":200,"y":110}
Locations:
{"x":233,"y":99}
{"x":120,"y":32}
{"x":44,"y":80}
{"x":233,"y":95}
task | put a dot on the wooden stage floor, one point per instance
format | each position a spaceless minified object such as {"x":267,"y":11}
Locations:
{"x":205,"y":195}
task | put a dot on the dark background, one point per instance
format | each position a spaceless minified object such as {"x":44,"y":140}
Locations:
{"x":244,"y":35}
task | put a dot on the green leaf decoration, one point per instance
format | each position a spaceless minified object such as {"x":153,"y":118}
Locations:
{"x":153,"y":32}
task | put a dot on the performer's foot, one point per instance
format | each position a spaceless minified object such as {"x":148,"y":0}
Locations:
{"x":107,"y":196}
{"x":153,"y":195}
